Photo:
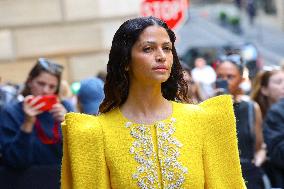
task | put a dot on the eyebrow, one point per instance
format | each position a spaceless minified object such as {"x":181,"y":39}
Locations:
{"x":153,"y":43}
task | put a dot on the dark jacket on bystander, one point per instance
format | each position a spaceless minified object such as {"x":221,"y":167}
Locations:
{"x":274,"y":138}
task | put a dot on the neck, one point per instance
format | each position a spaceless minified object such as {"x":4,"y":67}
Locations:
{"x":237,"y":95}
{"x":145,"y":104}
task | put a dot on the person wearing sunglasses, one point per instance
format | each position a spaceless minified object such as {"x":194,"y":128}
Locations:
{"x":248,"y":116}
{"x":31,"y":133}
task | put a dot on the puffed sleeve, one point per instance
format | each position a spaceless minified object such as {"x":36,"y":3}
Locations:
{"x":83,"y":163}
{"x":220,"y":150}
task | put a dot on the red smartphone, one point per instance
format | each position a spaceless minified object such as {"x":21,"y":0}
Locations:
{"x":48,"y":100}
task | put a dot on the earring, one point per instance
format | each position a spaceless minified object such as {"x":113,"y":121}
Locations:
{"x":126,"y":68}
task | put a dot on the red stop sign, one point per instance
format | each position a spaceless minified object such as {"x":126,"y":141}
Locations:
{"x":173,"y":12}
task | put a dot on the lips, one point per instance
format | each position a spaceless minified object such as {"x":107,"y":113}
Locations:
{"x":160,"y":68}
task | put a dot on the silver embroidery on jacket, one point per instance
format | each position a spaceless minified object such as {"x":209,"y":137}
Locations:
{"x":143,"y":151}
{"x":173,"y":172}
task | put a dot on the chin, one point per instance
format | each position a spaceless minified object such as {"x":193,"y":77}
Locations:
{"x":162,"y":79}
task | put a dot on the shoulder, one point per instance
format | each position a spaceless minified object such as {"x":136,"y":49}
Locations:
{"x":277,"y":106}
{"x":69,"y":107}
{"x":81,"y":132}
{"x":213,"y":111}
{"x":219,"y":110}
{"x":80,"y":119}
{"x":12,"y":107}
{"x":186,"y":107}
{"x":209,"y":68}
{"x":187,"y":111}
{"x":14,"y":110}
{"x":220,"y":119}
{"x":221,"y":103}
{"x":81,"y":123}
{"x":276,"y":110}
{"x":218,"y":102}
{"x":219,"y":115}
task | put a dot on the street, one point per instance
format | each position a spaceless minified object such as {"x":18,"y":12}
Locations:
{"x":203,"y":30}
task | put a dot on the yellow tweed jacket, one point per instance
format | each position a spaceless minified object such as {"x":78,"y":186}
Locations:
{"x":195,"y":148}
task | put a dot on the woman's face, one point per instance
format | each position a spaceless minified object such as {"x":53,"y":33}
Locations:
{"x":275,"y":88}
{"x":43,"y":84}
{"x":228,"y":71}
{"x":151,"y":56}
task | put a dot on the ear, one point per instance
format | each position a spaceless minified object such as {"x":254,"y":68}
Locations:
{"x":264,"y":91}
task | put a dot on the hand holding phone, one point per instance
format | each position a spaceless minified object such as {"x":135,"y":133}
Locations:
{"x":35,"y":105}
{"x":47,"y":100}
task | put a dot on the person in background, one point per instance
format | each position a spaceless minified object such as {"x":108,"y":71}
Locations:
{"x":194,"y":91}
{"x":90,"y":95}
{"x":238,"y":3}
{"x":266,"y":88}
{"x":249,"y":123}
{"x":204,"y":76}
{"x":251,"y":10}
{"x":30,"y":134}
{"x":144,"y":138}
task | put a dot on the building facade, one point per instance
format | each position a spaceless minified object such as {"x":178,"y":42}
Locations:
{"x":76,"y":34}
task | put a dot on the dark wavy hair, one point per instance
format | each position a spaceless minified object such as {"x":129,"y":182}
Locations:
{"x":117,"y":80}
{"x":43,"y":65}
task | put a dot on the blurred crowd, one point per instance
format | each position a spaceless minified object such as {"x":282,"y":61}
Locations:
{"x":258,"y":104}
{"x":31,"y":113}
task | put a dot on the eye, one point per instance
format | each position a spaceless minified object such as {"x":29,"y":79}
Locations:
{"x":278,"y":81}
{"x":230,"y":77}
{"x":52,"y":87}
{"x":40,"y":83}
{"x":167,"y":49}
{"x":147,"y":49}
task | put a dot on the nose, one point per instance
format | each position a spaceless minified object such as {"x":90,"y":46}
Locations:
{"x":160,"y":56}
{"x":46,"y":90}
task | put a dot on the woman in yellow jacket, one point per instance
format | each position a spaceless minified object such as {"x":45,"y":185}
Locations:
{"x":144,"y":137}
